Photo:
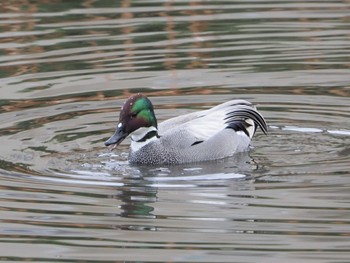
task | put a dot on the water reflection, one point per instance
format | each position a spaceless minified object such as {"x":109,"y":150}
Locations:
{"x":67,"y":67}
{"x":139,"y":195}
{"x":137,"y":200}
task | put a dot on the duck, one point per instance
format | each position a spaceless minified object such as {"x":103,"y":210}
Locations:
{"x":216,"y":133}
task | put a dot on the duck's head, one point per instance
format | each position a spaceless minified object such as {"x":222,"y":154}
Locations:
{"x":137,"y":112}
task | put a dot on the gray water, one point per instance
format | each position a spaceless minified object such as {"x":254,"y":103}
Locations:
{"x":67,"y":67}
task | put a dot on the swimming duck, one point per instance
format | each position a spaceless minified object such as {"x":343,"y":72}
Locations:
{"x":205,"y":135}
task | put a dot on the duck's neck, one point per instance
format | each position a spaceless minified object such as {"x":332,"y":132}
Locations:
{"x":143,"y":136}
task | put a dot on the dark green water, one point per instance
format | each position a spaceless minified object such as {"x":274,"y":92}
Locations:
{"x":66,"y":67}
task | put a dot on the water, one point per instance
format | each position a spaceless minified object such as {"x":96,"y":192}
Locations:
{"x":66,"y":68}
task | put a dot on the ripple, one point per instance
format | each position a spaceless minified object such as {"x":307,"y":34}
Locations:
{"x":67,"y":70}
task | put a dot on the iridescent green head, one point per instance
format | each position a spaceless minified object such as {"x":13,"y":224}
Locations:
{"x":136,"y":112}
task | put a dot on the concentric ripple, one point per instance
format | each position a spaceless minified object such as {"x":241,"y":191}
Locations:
{"x":66,"y":69}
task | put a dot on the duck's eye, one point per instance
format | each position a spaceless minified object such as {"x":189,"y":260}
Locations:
{"x":133,"y":115}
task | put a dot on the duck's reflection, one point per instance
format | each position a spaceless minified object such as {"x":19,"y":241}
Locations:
{"x":136,"y":199}
{"x":140,"y":192}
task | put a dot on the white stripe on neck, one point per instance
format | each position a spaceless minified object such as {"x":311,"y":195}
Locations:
{"x":138,"y":135}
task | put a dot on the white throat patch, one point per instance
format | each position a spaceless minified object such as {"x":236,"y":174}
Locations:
{"x":139,"y":134}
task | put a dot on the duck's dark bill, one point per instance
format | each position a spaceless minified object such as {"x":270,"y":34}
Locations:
{"x":116,"y":138}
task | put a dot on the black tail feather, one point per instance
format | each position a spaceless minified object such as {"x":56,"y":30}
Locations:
{"x":236,"y":119}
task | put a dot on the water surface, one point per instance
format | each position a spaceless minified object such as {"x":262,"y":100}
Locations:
{"x":66,"y":69}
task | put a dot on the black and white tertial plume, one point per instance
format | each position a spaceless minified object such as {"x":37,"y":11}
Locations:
{"x":246,"y":119}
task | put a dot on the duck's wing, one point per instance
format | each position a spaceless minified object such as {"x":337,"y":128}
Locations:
{"x":176,"y":122}
{"x":238,"y":115}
